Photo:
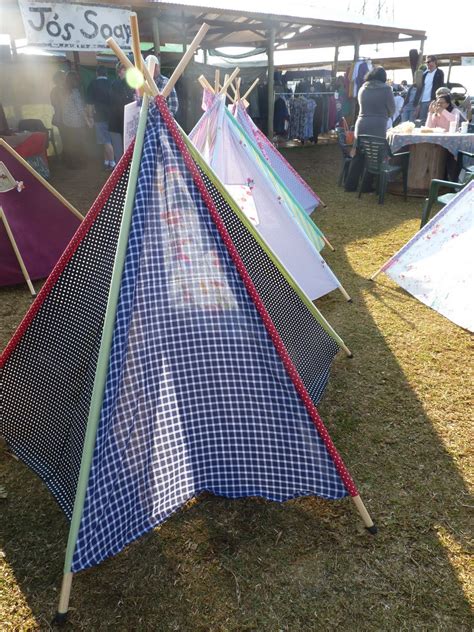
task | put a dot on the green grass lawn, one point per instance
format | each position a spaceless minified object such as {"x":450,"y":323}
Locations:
{"x":401,"y":416}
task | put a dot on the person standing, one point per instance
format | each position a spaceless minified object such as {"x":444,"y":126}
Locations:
{"x":98,"y":105}
{"x":161,"y":82}
{"x":75,"y":120}
{"x":376,"y":106}
{"x":395,"y":118}
{"x":433,"y":78}
{"x":120,"y":95}
{"x":409,"y":107}
{"x":56,"y":97}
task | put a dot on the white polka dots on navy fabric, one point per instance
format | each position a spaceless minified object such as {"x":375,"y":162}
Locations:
{"x":47,"y":380}
{"x":197,"y":396}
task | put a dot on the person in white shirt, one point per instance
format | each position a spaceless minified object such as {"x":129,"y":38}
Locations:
{"x":399,"y":101}
{"x":433,"y":78}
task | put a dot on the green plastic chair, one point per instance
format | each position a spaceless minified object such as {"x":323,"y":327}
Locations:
{"x":377,"y":156}
{"x":436,"y":185}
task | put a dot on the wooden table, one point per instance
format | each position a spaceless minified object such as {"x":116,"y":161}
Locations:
{"x":428,"y":155}
{"x":427,"y":161}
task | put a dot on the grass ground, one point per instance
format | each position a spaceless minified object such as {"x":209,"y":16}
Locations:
{"x":400,"y":414}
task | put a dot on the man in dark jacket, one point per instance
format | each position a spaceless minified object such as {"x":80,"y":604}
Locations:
{"x":433,"y":78}
{"x":98,"y":102}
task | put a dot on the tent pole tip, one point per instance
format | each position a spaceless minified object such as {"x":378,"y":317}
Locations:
{"x":372,"y":530}
{"x":60,"y":619}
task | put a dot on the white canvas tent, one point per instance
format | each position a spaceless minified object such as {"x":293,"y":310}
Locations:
{"x":437,"y":264}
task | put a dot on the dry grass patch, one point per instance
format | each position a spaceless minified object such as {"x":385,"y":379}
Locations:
{"x":400,"y":414}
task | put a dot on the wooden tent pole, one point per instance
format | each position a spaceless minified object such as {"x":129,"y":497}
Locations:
{"x":136,"y":48}
{"x":16,"y":250}
{"x":137,"y":55}
{"x":364,"y":514}
{"x":217,"y":79}
{"x":345,"y":294}
{"x":205,"y":84}
{"x":376,"y":274}
{"x":326,"y":240}
{"x":251,"y":88}
{"x":111,"y":43}
{"x":44,"y":182}
{"x":229,"y":80}
{"x":185,"y":59}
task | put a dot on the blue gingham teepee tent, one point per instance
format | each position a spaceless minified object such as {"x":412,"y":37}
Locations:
{"x":167,"y":354}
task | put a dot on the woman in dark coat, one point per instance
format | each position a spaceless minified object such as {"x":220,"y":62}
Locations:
{"x":376,"y":106}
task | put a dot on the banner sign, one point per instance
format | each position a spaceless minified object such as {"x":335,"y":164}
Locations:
{"x":74,"y":26}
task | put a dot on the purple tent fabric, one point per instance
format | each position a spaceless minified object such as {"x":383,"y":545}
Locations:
{"x":300,"y":190}
{"x":41,"y":225}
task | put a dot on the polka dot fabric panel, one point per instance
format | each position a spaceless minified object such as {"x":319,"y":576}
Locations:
{"x":47,"y":379}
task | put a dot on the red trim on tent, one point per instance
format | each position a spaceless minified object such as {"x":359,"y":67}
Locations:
{"x":68,"y":253}
{"x":293,"y":373}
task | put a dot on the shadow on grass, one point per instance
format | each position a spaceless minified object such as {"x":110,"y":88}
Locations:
{"x":307,"y":564}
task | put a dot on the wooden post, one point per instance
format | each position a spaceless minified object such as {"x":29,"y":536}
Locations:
{"x":155,"y":29}
{"x":356,"y":46}
{"x":185,"y":32}
{"x":16,"y":250}
{"x":420,"y":56}
{"x":449,"y":70}
{"x":270,"y":84}
{"x":335,"y":62}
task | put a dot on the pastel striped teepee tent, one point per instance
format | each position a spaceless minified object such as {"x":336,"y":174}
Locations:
{"x":298,"y":187}
{"x":277,"y":216}
{"x":160,"y":362}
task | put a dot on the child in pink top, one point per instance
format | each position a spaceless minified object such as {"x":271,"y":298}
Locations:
{"x":441,"y":112}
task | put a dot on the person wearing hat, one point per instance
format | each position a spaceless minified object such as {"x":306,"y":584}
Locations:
{"x":161,"y":81}
{"x":120,"y":95}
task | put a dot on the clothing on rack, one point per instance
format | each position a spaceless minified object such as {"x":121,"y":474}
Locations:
{"x":281,"y":116}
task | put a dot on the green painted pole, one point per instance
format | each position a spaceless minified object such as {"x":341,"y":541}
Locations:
{"x":102,"y":365}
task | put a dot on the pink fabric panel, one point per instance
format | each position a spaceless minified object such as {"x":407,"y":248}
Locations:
{"x":41,"y":224}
